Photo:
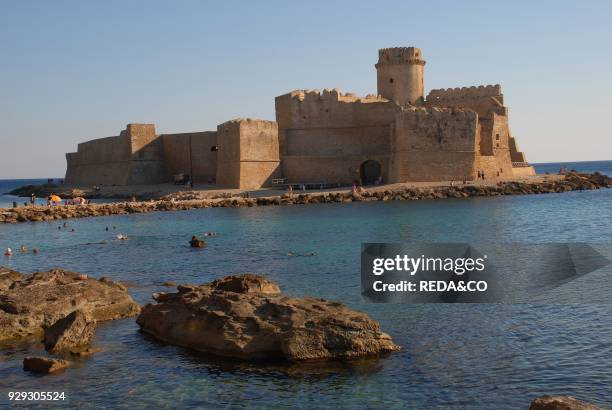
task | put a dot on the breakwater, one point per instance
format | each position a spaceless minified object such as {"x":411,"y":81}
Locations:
{"x":571,"y":182}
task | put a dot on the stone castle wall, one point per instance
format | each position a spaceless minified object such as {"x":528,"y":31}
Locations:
{"x":100,"y":161}
{"x":325,"y":136}
{"x":132,"y":157}
{"x":434,"y":144}
{"x":187,"y":152}
{"x":248,"y":155}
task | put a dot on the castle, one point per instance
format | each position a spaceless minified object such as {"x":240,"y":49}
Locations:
{"x":398,"y":135}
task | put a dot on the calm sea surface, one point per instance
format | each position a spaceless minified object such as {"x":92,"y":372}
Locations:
{"x":474,"y":356}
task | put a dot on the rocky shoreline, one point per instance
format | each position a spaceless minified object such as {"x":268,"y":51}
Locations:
{"x":183,"y":201}
{"x":239,"y":317}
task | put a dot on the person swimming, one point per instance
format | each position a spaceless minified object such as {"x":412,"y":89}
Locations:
{"x":196,"y":242}
{"x":8,"y":252}
{"x":122,"y":237}
{"x":23,"y":248}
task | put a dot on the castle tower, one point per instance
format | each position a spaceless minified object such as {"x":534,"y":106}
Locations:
{"x":400,"y":74}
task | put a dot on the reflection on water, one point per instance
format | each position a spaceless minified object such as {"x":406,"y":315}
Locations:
{"x":476,"y":356}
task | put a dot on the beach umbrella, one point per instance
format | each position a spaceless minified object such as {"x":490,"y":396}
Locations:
{"x":55,"y":198}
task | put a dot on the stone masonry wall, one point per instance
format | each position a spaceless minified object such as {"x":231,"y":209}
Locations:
{"x":132,"y":157}
{"x":325,"y":136}
{"x":433,"y":145}
{"x":482,"y":99}
{"x":176,"y":151}
{"x":100,"y":161}
{"x":248,"y":156}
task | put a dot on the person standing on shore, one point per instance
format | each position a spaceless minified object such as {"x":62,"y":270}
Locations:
{"x":32,"y":199}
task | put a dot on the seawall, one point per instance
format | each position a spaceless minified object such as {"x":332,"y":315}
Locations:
{"x":572,"y":182}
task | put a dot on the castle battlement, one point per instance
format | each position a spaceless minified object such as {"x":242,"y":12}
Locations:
{"x":466,"y":92}
{"x":434,"y":110}
{"x":241,"y":120}
{"x":400,"y":55}
{"x":333,"y":94}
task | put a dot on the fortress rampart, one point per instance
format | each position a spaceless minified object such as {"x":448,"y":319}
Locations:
{"x":396,"y":135}
{"x":190,"y":154}
{"x":325,"y":136}
{"x":433,"y":143}
{"x":248,"y":153}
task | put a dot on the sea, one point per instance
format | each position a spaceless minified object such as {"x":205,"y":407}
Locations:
{"x":476,"y":356}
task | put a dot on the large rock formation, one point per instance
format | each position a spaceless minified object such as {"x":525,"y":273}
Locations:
{"x":31,"y":303}
{"x":246,"y":317}
{"x":560,"y":403}
{"x":74,"y":331}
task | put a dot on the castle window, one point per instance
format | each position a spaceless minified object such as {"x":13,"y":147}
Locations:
{"x":497,"y":137}
{"x":390,"y":80}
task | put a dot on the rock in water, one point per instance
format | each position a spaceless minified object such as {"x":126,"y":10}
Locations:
{"x":560,"y":403}
{"x":44,"y":365}
{"x":34,"y":302}
{"x":246,"y":317}
{"x":75,"y":330}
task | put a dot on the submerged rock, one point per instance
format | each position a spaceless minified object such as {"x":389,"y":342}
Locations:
{"x":32,"y":303}
{"x":560,"y":403}
{"x":246,"y":317}
{"x":44,"y":365}
{"x":72,"y":331}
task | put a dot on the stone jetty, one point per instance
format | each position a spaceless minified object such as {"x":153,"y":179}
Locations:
{"x":181,"y":201}
{"x":246,"y":317}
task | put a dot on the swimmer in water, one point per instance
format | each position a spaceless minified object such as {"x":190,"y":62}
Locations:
{"x":23,"y":248}
{"x":35,"y":251}
{"x":8,"y":252}
{"x":122,"y":237}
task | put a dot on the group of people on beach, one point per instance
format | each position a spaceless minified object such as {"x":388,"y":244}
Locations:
{"x":53,"y":200}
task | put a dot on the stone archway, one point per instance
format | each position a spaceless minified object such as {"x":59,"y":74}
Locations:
{"x":370,"y":172}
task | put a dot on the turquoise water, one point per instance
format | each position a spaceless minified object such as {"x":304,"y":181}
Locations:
{"x":475,"y":356}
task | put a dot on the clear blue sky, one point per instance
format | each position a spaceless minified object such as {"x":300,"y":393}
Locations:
{"x":77,"y":70}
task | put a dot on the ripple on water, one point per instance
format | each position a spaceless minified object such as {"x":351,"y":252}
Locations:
{"x":460,"y":355}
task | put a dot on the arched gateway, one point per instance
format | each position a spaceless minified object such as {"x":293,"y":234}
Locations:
{"x":370,"y":172}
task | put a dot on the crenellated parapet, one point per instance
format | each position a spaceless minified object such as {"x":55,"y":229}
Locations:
{"x":466,"y":92}
{"x":482,"y":99}
{"x":400,"y":55}
{"x":331,"y":95}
